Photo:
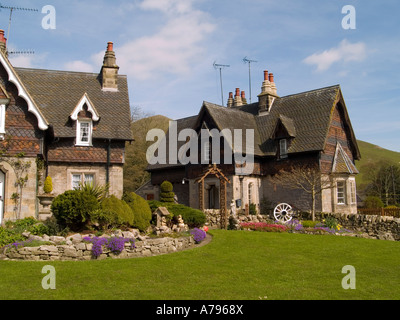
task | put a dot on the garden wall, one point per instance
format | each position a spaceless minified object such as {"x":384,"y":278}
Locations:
{"x":80,"y":250}
{"x":370,"y":226}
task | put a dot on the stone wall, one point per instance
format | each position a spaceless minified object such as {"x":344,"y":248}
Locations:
{"x":369,"y":226}
{"x":78,"y":250}
{"x":378,"y":227}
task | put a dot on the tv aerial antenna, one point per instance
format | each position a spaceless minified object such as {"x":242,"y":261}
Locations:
{"x":220,"y":66}
{"x":246,"y":60}
{"x":12,"y":8}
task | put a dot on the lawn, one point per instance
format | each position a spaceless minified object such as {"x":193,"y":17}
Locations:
{"x":235,"y":265}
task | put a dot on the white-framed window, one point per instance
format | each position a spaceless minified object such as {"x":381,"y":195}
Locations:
{"x":341,"y":191}
{"x":84,"y":133}
{"x":283,"y":148}
{"x":353,"y":197}
{"x":250,"y":193}
{"x":206,"y":152}
{"x":82,"y":178}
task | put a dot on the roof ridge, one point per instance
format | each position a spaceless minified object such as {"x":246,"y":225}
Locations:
{"x":310,"y":91}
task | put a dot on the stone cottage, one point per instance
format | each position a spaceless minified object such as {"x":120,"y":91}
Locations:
{"x":71,"y":126}
{"x":311,"y":128}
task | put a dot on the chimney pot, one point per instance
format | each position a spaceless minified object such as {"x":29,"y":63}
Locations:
{"x":243,"y":94}
{"x":231,"y":95}
{"x":265,"y":75}
{"x":2,"y":39}
{"x":110,"y":46}
{"x":271,"y":77}
{"x":237,"y":92}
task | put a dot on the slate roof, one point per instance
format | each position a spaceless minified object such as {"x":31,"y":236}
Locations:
{"x":306,"y":117}
{"x":56,"y":93}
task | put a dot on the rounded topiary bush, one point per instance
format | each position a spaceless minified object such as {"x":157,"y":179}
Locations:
{"x":119,"y":207}
{"x":372,"y":202}
{"x":48,"y":185}
{"x":141,"y":210}
{"x":72,"y":208}
{"x":167,"y":194}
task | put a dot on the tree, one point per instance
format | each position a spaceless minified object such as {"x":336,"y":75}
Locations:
{"x":306,"y":178}
{"x":383,"y":179}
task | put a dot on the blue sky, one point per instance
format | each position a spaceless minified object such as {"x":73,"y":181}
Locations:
{"x":167,"y":49}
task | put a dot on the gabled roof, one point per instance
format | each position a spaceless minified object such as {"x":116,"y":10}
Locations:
{"x":23,"y":92}
{"x":58,"y":93}
{"x":306,"y":117}
{"x":342,"y":163}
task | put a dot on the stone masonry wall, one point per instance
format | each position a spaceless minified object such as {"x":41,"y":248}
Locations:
{"x":376,"y":227}
{"x":78,"y":250}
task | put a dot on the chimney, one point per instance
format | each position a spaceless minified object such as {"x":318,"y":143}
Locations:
{"x":109,"y":71}
{"x":3,"y":42}
{"x":272,"y":83}
{"x":238,"y":99}
{"x":244,"y":100}
{"x":230,"y":100}
{"x":268,"y":93}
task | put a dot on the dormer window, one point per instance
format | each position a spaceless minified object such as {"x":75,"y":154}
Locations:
{"x":84,"y":133}
{"x":84,"y":114}
{"x":283,"y":149}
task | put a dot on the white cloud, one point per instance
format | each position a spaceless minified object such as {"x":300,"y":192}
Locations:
{"x":22,"y":61}
{"x":78,"y":65}
{"x":173,"y":48}
{"x":344,"y":52}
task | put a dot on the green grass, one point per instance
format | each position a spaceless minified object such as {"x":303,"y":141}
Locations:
{"x":237,"y":265}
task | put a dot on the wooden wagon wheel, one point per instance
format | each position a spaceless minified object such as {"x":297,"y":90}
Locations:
{"x":283,"y":212}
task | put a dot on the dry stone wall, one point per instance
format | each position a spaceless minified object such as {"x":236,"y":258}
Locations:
{"x":368,"y":226}
{"x":74,"y":248}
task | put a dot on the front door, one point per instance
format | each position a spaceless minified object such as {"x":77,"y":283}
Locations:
{"x":2,"y":183}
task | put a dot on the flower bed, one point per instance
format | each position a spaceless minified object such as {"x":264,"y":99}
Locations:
{"x":263,"y":226}
{"x":296,"y":226}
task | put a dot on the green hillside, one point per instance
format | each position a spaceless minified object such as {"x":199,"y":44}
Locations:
{"x":371,"y":154}
{"x":135,"y":152}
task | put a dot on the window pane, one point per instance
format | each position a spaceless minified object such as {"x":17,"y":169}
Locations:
{"x":76,"y":179}
{"x":341,"y":192}
{"x":283,"y":148}
{"x":84,"y":132}
{"x":89,"y":179}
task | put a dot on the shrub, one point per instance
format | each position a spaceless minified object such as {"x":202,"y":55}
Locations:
{"x":100,"y":192}
{"x":72,"y":208}
{"x":120,"y":208}
{"x":252,"y":209}
{"x":21,"y":225}
{"x":309,"y":223}
{"x":39,"y":229}
{"x":105,"y":218}
{"x":48,"y":185}
{"x":167,"y":194}
{"x":141,"y":210}
{"x":331,"y":223}
{"x":194,"y":218}
{"x":372,"y":202}
{"x":8,"y":236}
{"x":53,"y":228}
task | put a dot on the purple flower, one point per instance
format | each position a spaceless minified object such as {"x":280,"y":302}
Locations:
{"x":198,"y":235}
{"x":115,"y":244}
